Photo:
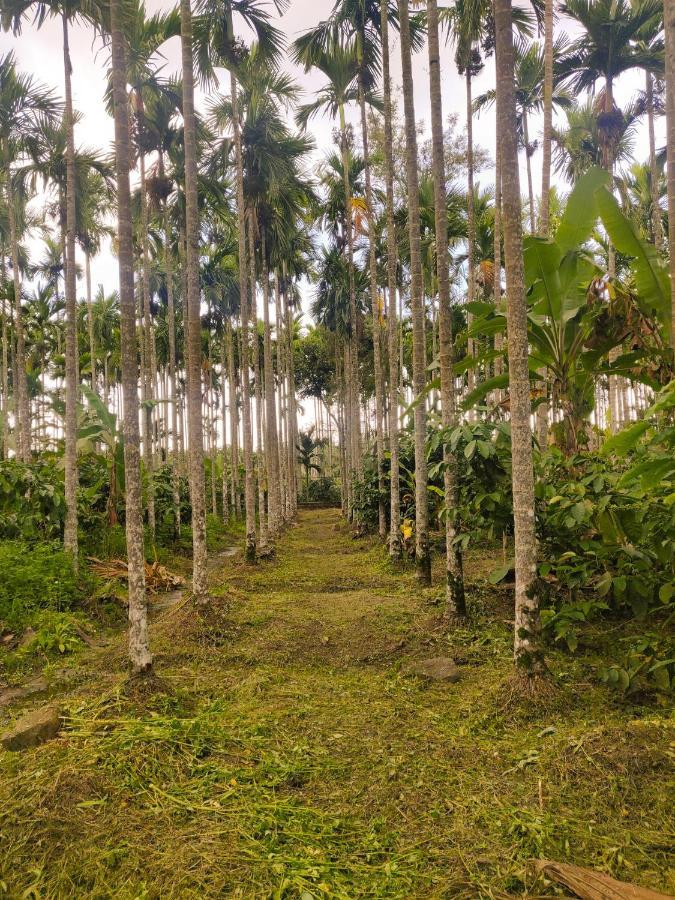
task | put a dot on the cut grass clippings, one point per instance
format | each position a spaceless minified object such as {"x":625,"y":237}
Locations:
{"x":285,"y":752}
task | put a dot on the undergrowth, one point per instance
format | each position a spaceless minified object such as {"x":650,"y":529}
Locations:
{"x":287,"y":752}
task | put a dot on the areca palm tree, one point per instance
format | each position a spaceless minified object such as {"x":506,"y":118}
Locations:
{"x":217,"y":46}
{"x":422,"y":553}
{"x":395,"y":547}
{"x":669,"y":30}
{"x":454,"y":576}
{"x":340,"y":67}
{"x":530,"y":68}
{"x":361,"y":21}
{"x":193,"y":319}
{"x":606,"y":49}
{"x":90,"y":11}
{"x":92,"y":230}
{"x":24,"y":106}
{"x":578,"y":144}
{"x":527,"y":639}
{"x":139,"y":650}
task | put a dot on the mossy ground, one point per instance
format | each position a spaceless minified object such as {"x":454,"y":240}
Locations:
{"x":283,"y":751}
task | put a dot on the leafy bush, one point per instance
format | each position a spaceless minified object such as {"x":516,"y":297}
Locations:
{"x":321,"y":490}
{"x":55,"y":634}
{"x":35,"y":578}
{"x":32,"y":504}
{"x":606,"y":544}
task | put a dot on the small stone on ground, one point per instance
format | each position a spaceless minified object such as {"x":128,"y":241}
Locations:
{"x":33,"y":729}
{"x":439,"y":668}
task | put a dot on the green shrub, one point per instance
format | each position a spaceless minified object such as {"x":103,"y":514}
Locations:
{"x":321,"y":490}
{"x":35,"y":577}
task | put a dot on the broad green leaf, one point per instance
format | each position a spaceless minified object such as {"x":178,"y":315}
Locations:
{"x":542,"y":262}
{"x":500,"y":573}
{"x":651,"y":472}
{"x":484,"y":388}
{"x":651,"y":277}
{"x":104,"y":415}
{"x":485,"y":327}
{"x":479,"y":308}
{"x":625,"y":440}
{"x":581,"y":212}
{"x":470,"y":362}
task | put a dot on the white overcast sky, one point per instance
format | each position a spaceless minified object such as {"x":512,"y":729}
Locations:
{"x":40,"y":52}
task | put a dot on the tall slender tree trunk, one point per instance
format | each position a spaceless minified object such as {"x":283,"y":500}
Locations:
{"x":527,"y":642}
{"x":249,"y":486}
{"x":283,"y":406}
{"x":171,"y":316}
{"x":292,"y":405}
{"x":5,"y":371}
{"x":90,"y":319}
{"x":70,"y":528}
{"x":271,"y":433}
{"x":356,"y":462}
{"x":234,"y":421}
{"x":544,"y":209}
{"x":455,"y":599}
{"x":497,"y":279}
{"x":263,"y":531}
{"x":377,"y":316}
{"x":194,"y":340}
{"x":657,"y":225}
{"x":470,"y":215}
{"x":223,"y":399}
{"x":21,"y":409}
{"x":669,"y":28}
{"x":147,"y":332}
{"x":139,"y":650}
{"x":422,"y":551}
{"x":528,"y":166}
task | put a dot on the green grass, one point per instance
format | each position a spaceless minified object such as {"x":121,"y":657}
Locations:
{"x":284,"y":752}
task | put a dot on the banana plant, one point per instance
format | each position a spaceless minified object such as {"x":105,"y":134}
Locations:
{"x":101,"y":428}
{"x":577,"y":315}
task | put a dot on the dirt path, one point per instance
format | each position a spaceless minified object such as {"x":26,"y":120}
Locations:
{"x":284,"y":752}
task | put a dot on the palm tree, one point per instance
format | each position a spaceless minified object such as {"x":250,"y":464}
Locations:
{"x":606,"y":49}
{"x":530,"y":69}
{"x":422,"y":552}
{"x":579,"y":145}
{"x":669,"y":27}
{"x":544,"y":210}
{"x":193,"y":319}
{"x":217,"y":46}
{"x":454,"y":575}
{"x":340,"y":67}
{"x":139,"y":650}
{"x":360,"y":21}
{"x":92,"y":229}
{"x":527,"y":642}
{"x":307,"y":448}
{"x":395,"y":547}
{"x":24,"y":106}
{"x":67,"y":11}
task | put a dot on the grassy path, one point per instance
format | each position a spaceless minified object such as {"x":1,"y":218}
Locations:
{"x":284,"y":752}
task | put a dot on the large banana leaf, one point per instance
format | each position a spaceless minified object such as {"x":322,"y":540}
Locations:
{"x":105,"y":417}
{"x":542,"y":262}
{"x":651,"y":276}
{"x":581,"y":211}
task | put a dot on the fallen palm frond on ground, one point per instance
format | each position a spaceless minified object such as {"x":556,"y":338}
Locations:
{"x":157,"y":577}
{"x":591,"y":885}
